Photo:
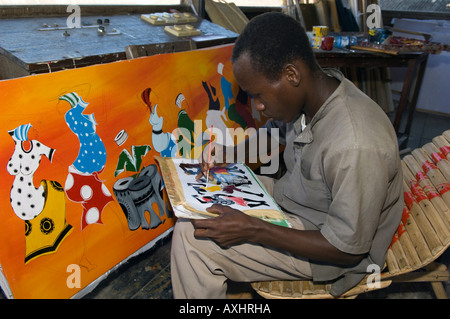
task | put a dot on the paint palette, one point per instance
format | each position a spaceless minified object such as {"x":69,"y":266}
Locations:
{"x":182,"y":30}
{"x":165,"y":18}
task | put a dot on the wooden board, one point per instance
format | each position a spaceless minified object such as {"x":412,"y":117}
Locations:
{"x":227,"y":15}
{"x":164,"y":18}
{"x":357,"y":47}
{"x":184,"y":30}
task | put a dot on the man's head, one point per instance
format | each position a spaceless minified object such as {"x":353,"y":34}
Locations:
{"x":272,"y":40}
{"x":273,"y":62}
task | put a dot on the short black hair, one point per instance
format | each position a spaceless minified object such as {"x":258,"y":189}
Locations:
{"x":273,"y":40}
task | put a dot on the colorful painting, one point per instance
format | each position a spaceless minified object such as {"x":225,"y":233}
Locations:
{"x":81,"y":191}
{"x":234,"y":185}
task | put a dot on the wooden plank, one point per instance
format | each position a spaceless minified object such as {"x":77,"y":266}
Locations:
{"x":420,"y":245}
{"x":135,"y":51}
{"x":430,"y":191}
{"x":370,"y":49}
{"x":227,"y":15}
{"x":392,"y":262}
{"x":323,"y":12}
{"x":336,"y":27}
{"x":186,"y":30}
{"x":422,"y":221}
{"x":443,"y":145}
{"x":399,"y":253}
{"x":165,"y":18}
{"x":416,"y":161}
{"x":446,"y":134}
{"x":438,"y":222}
{"x":386,"y":76}
{"x":408,"y":247}
{"x":438,"y":159}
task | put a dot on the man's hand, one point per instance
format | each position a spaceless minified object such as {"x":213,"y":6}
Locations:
{"x":217,"y":159}
{"x":231,"y":227}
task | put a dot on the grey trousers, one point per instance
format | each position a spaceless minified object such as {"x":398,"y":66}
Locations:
{"x":200,"y":268}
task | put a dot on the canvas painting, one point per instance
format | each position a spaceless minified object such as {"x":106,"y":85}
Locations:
{"x":234,"y":185}
{"x":81,"y":191}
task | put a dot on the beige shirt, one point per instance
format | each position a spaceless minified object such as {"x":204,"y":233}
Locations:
{"x":344,"y":178}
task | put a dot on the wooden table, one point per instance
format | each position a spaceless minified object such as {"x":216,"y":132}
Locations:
{"x":24,"y":42}
{"x":415,"y":64}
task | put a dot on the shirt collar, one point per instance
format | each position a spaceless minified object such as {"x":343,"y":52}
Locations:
{"x":303,"y":132}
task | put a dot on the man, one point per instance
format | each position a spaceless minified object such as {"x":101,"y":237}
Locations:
{"x":342,"y":191}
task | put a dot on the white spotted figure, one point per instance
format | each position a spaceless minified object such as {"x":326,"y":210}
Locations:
{"x":27,"y":201}
{"x":43,"y":208}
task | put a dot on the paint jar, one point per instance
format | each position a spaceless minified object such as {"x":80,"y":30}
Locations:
{"x":318,"y":33}
{"x":327,"y":43}
{"x":379,"y":35}
{"x":344,"y":41}
{"x":320,"y":30}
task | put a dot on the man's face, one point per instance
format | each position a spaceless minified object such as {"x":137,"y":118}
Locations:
{"x":277,"y":100}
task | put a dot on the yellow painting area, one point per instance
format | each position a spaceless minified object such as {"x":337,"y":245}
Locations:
{"x":80,"y":189}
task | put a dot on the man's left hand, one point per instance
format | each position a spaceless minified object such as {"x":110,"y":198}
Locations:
{"x":230,"y":227}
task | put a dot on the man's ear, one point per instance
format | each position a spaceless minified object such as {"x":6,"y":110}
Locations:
{"x":292,"y":74}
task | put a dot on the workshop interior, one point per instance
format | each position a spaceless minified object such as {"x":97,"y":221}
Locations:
{"x":94,"y":93}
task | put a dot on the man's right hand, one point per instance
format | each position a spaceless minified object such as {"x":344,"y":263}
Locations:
{"x":218,"y":158}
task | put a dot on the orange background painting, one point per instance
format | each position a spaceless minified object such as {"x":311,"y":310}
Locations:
{"x":113,"y":92}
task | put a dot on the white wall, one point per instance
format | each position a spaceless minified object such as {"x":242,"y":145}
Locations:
{"x":435,"y":91}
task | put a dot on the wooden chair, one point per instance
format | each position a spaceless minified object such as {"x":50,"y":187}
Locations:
{"x":422,"y":236}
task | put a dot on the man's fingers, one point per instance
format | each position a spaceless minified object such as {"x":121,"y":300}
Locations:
{"x":215,"y":208}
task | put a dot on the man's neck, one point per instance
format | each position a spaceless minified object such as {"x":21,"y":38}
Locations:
{"x":322,"y":87}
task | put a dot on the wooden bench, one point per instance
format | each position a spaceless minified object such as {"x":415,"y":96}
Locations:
{"x":422,"y":236}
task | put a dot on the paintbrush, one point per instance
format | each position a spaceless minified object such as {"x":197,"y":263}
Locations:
{"x":209,"y":156}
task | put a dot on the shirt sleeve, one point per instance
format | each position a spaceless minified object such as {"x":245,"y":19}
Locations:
{"x":358,"y":179}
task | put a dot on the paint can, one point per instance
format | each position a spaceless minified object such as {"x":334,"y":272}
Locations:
{"x":327,"y":43}
{"x":319,"y":32}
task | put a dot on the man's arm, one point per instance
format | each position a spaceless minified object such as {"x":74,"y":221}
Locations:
{"x":234,"y":227}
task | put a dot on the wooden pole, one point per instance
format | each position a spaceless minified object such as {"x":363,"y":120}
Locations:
{"x":408,"y":246}
{"x":443,"y":145}
{"x":446,"y":134}
{"x":392,"y":262}
{"x":438,"y":159}
{"x":439,"y":225}
{"x":420,"y":245}
{"x":399,"y":253}
{"x":434,"y":174}
{"x":422,"y":221}
{"x":430,"y":191}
